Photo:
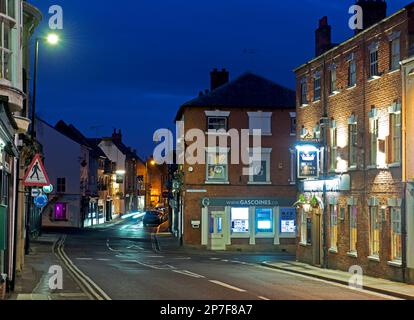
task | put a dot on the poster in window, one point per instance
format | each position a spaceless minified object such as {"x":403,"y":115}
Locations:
{"x":287,"y":220}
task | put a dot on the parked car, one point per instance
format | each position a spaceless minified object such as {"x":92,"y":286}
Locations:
{"x":154,"y":218}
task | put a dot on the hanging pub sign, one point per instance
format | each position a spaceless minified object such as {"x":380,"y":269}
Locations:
{"x":308,"y":161}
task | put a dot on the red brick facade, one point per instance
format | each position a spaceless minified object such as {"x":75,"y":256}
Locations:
{"x":382,"y":183}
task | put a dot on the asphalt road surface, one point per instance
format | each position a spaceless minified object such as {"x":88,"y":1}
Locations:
{"x":120,"y":262}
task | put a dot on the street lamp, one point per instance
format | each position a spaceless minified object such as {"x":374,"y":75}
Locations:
{"x":52,"y":39}
{"x":152,"y":163}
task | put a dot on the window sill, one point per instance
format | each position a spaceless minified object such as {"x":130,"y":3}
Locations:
{"x":334,"y":93}
{"x":394,"y":71}
{"x":240,"y":236}
{"x":374,"y":258}
{"x":332,"y":250}
{"x":304,"y":244}
{"x":217,"y":182}
{"x":352,"y":254}
{"x":304,"y":105}
{"x":395,"y":263}
{"x":373,"y":78}
{"x":317,"y":101}
{"x":292,"y":183}
{"x":372,"y":167}
{"x":263,"y":134}
{"x":211,"y":133}
{"x":353,"y":168}
{"x":394,"y":165}
{"x":351,"y":87}
{"x":252,"y":183}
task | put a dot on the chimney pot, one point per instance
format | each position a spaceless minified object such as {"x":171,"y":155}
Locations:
{"x":323,"y":37}
{"x":218,"y":78}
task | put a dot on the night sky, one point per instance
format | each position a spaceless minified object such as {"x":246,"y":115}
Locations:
{"x":130,"y":64}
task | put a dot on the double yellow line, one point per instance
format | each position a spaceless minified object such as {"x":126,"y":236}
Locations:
{"x":93,"y":291}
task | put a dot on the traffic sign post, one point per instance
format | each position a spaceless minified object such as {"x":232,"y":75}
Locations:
{"x":36,"y":175}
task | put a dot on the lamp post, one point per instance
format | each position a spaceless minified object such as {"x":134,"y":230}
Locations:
{"x":152,"y":163}
{"x":52,"y":39}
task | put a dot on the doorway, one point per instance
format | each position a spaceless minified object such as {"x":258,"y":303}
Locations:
{"x":216,"y":240}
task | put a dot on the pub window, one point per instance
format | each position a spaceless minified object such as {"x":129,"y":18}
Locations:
{"x":396,"y":240}
{"x":374,"y":231}
{"x":395,"y":55}
{"x":334,"y":227}
{"x":395,"y":137}
{"x":353,"y":143}
{"x":317,"y":87}
{"x":333,"y":148}
{"x":353,"y":210}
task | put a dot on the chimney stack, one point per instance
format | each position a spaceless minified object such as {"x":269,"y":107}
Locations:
{"x":218,"y":78}
{"x":323,"y":37}
{"x":117,"y":137}
{"x":373,"y":12}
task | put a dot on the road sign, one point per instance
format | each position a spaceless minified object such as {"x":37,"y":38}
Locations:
{"x":36,"y":175}
{"x":36,"y":192}
{"x":41,"y":201}
{"x":48,"y":189}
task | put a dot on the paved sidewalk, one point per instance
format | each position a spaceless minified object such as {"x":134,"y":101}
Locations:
{"x":395,"y":289}
{"x":33,"y":282}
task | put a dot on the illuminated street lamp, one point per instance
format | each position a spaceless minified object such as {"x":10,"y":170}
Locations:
{"x":151,"y":163}
{"x":51,"y":39}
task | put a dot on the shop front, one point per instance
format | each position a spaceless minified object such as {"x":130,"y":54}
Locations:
{"x":228,"y":223}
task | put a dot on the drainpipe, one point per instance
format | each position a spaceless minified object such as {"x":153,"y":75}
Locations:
{"x":16,"y":215}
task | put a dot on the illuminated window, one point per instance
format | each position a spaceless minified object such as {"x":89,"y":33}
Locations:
{"x":353,"y":142}
{"x":317,"y":87}
{"x":240,"y":220}
{"x":303,"y":227}
{"x":333,"y":147}
{"x":334,"y":227}
{"x":395,"y":137}
{"x":353,"y":210}
{"x":374,"y":238}
{"x":217,"y":167}
{"x":395,"y":54}
{"x":374,"y":141}
{"x":287,"y":220}
{"x":264,"y":220}
{"x":60,"y":211}
{"x":396,"y":240}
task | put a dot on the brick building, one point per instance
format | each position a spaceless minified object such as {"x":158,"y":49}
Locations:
{"x":223,"y":209}
{"x":349,"y":108}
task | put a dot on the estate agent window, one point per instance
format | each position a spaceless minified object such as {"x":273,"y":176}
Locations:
{"x":264,"y":220}
{"x":287,"y":220}
{"x":240,"y":220}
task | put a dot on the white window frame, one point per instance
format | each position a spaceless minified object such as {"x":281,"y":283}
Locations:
{"x":266,"y":156}
{"x":395,"y":54}
{"x":396,"y":224}
{"x":352,"y":76}
{"x":264,"y":118}
{"x":333,"y":215}
{"x":395,"y":137}
{"x":374,"y":219}
{"x":217,"y":151}
{"x":374,"y":61}
{"x":353,"y":242}
{"x":353,"y":144}
{"x":317,"y":87}
{"x":374,"y":136}
{"x":333,"y":147}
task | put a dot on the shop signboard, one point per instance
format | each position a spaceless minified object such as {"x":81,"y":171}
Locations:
{"x":307,"y":161}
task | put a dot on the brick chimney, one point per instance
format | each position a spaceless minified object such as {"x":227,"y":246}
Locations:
{"x":373,"y":12}
{"x":323,"y":37}
{"x":117,"y":136}
{"x":218,"y":78}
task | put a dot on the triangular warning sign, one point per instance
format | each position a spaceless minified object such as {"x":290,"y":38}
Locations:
{"x":36,"y":175}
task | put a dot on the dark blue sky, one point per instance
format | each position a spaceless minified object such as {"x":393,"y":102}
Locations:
{"x":130,"y":64}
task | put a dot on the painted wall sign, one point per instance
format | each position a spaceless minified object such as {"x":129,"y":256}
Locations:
{"x":308,"y":161}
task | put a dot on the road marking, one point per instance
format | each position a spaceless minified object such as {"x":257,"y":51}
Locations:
{"x":263,"y":298}
{"x":384,"y":296}
{"x":224,"y":260}
{"x":214,"y":259}
{"x":190,"y":274}
{"x":227,"y":285}
{"x":104,"y":259}
{"x":85,"y":259}
{"x":183,"y":258}
{"x":78,"y":275}
{"x":154,"y":257}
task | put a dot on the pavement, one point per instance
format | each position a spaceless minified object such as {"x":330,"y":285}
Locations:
{"x":126,"y":261}
{"x":392,"y":288}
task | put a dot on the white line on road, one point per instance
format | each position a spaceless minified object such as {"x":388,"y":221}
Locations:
{"x":85,"y":259}
{"x":190,"y":274}
{"x":227,"y":285}
{"x":104,"y":259}
{"x":263,"y":298}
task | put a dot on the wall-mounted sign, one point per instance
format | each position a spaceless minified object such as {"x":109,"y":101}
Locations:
{"x":308,"y":161}
{"x":48,"y":189}
{"x":41,"y":201}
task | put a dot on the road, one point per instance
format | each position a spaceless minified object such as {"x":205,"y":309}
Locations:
{"x":121,"y":262}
